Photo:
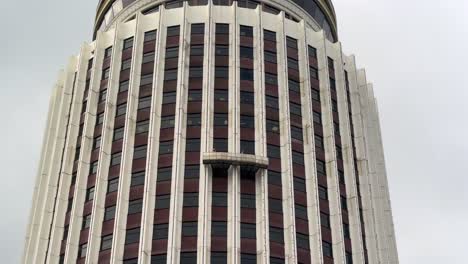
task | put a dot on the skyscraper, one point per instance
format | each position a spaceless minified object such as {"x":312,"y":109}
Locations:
{"x":212,"y":131}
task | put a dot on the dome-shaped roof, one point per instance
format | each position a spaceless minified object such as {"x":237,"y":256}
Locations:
{"x":322,"y":11}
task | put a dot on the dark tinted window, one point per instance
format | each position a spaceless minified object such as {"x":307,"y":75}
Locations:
{"x":160,"y":231}
{"x":135,"y":206}
{"x":138,"y":178}
{"x":246,"y":31}
{"x":219,"y":199}
{"x":109,"y":213}
{"x":163,"y":201}
{"x":113,"y":185}
{"x":190,"y":199}
{"x":165,"y":147}
{"x":173,"y":31}
{"x":132,"y":236}
{"x":164,"y":174}
{"x":276,"y":235}
{"x":248,"y":201}
{"x":140,"y":152}
{"x":219,"y":228}
{"x":189,"y":229}
{"x":246,"y":52}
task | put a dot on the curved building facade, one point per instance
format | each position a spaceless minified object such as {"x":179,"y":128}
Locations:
{"x":212,"y":131}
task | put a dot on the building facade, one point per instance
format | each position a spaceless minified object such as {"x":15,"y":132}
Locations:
{"x":212,"y":131}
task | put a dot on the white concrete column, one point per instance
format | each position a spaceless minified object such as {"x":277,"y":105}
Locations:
{"x":103,"y":40}
{"x":147,"y":23}
{"x":336,"y":222}
{"x":348,"y":157}
{"x":289,"y":213}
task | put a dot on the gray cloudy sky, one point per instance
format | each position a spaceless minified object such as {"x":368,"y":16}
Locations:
{"x":415,"y":53}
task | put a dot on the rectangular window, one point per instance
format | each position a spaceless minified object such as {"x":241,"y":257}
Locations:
{"x":86,"y":222}
{"x":121,"y":110}
{"x":220,"y":144}
{"x":173,"y":31}
{"x":128,"y":43}
{"x":192,"y":171}
{"x":113,"y":185}
{"x":219,"y":199}
{"x":301,"y":211}
{"x":144,"y":102}
{"x":167,"y":122}
{"x":82,"y":250}
{"x":327,"y":249}
{"x":138,"y":178}
{"x":160,"y":231}
{"x":316,"y":95}
{"x":275,"y":205}
{"x":272,"y":102}
{"x":89,"y":194}
{"x":247,"y":121}
{"x":312,"y":52}
{"x":132,"y":236}
{"x":248,"y":231}
{"x":163,"y":201}
{"x":321,"y":168}
{"x":172,"y":52}
{"x":106,"y":242}
{"x":164,"y":174}
{"x":269,"y":35}
{"x":344,"y":203}
{"x":109,"y":213}
{"x":219,"y":257}
{"x":118,"y":133}
{"x":247,"y":147}
{"x":296,"y":133}
{"x":140,"y":152}
{"x":220,"y":119}
{"x":135,"y":206}
{"x":105,"y":74}
{"x":248,"y":201}
{"x":246,"y":31}
{"x":222,"y":29}
{"x":272,"y":126}
{"x":246,"y":74}
{"x":294,"y":86}
{"x":221,"y":95}
{"x":146,"y":79}
{"x":150,"y":35}
{"x":192,"y":145}
{"x":170,"y":75}
{"x":302,"y":241}
{"x":194,"y":120}
{"x":317,"y":118}
{"x":116,"y":158}
{"x":273,"y":151}
{"x":196,"y":72}
{"x":222,"y":50}
{"x":188,"y":257}
{"x":313,"y":73}
{"x":246,"y":52}
{"x":102,"y":96}
{"x":142,"y":127}
{"x":189,"y":229}
{"x":198,"y":29}
{"x":221,"y":72}
{"x":247,"y":97}
{"x":148,"y":57}
{"x":274,"y":178}
{"x":169,"y":98}
{"x":295,"y":109}
{"x":96,"y":143}
{"x":93,"y":167}
{"x":126,"y":64}
{"x":291,"y":43}
{"x":276,"y":235}
{"x":123,"y":86}
{"x":195,"y":96}
{"x":276,"y":260}
{"x":325,"y":220}
{"x":271,"y":79}
{"x":299,"y":184}
{"x":346,"y":232}
{"x":298,"y":157}
{"x":190,"y":199}
{"x":218,"y":228}
{"x":270,"y":56}
{"x":196,"y":50}
{"x":293,"y":64}
{"x":100,"y":119}
{"x":323,"y":193}
{"x":107,"y":53}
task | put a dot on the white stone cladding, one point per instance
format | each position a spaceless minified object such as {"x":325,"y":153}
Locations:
{"x":51,"y":193}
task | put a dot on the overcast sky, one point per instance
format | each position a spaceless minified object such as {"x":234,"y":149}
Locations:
{"x":415,"y":53}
